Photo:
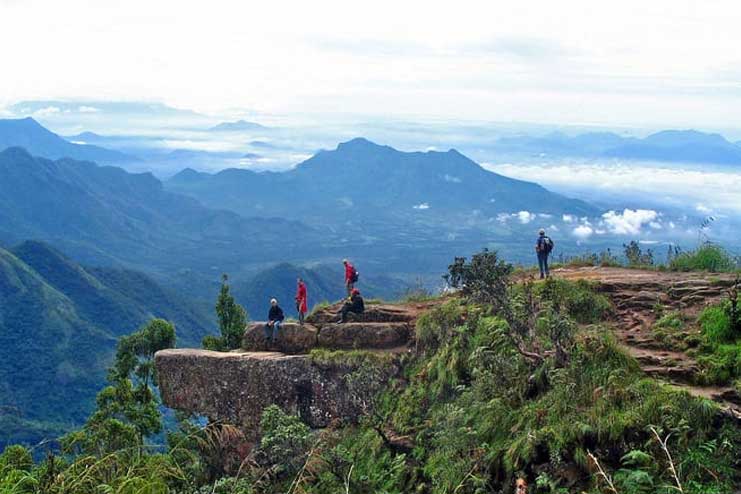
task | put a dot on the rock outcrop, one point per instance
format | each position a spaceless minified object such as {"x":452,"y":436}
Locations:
{"x":292,"y":339}
{"x":295,"y":339}
{"x":235,"y":387}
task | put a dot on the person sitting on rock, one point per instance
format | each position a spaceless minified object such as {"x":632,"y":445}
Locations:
{"x":301,"y":301}
{"x":355,"y":305}
{"x":275,"y":319}
{"x":351,"y":277}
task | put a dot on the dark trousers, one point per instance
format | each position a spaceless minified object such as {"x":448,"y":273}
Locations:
{"x":543,"y":264}
{"x":346,"y":307}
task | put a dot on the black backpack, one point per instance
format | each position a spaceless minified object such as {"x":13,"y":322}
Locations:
{"x":355,"y":275}
{"x":547,"y":245}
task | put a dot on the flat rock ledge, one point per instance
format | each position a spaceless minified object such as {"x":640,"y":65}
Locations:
{"x":296,"y":339}
{"x":235,"y":387}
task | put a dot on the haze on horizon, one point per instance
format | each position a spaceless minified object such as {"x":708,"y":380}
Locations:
{"x":662,"y":64}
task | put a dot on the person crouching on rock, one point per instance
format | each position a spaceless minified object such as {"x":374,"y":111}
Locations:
{"x":301,"y":301}
{"x":355,"y":305}
{"x":275,"y":319}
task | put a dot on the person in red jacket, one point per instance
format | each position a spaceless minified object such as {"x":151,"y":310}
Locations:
{"x":351,"y":277}
{"x":301,"y":301}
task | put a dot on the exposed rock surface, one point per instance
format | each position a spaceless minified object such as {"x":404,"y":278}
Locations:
{"x":235,"y":387}
{"x":353,"y":335}
{"x":292,"y":338}
{"x":640,"y":297}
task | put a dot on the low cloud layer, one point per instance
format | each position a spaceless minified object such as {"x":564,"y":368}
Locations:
{"x":693,"y":188}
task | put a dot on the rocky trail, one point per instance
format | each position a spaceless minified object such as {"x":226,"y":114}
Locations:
{"x":640,"y":297}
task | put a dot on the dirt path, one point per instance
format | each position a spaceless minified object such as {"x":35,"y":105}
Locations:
{"x":640,"y":297}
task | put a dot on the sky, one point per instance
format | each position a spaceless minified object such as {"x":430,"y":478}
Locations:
{"x":659,"y":63}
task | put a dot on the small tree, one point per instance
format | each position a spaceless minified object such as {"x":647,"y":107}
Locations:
{"x":232,"y":321}
{"x":127,"y":410}
{"x":635,"y":255}
{"x":485,"y":279}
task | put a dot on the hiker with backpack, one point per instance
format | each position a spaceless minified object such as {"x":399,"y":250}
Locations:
{"x":275,"y":320}
{"x":356,"y":305}
{"x":351,"y":277}
{"x":543,"y":247}
{"x":301,"y":301}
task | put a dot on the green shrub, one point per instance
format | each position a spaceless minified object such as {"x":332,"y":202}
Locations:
{"x":709,"y":257}
{"x":578,"y":298}
{"x":716,"y":325}
{"x":436,"y":326}
{"x":285,"y":439}
{"x":485,"y":279}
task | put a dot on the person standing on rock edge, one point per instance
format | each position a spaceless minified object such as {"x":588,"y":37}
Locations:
{"x":301,"y":301}
{"x":543,"y":247}
{"x":275,"y":319}
{"x":351,"y":277}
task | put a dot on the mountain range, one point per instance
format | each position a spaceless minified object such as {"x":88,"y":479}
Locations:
{"x":59,"y":323}
{"x":239,"y":125}
{"x":37,"y":140}
{"x":668,"y":145}
{"x":361,"y":181}
{"x":106,"y":216}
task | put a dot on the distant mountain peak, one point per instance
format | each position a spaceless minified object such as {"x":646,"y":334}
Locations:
{"x":360,"y":143}
{"x":16,"y":152}
{"x":238,"y":125}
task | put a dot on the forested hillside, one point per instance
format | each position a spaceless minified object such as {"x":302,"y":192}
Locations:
{"x":59,"y":324}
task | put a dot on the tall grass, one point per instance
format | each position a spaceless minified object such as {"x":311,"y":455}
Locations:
{"x":708,"y":257}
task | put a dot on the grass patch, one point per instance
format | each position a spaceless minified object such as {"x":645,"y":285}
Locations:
{"x":670,"y":330}
{"x":719,"y":354}
{"x":578,"y":298}
{"x":709,"y":257}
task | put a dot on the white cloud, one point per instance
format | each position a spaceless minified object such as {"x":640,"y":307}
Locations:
{"x":422,"y":206}
{"x":452,"y":179}
{"x":582,"y":232}
{"x":534,"y":65}
{"x":681,"y":186}
{"x":569,"y":218}
{"x":526,"y":217}
{"x":629,"y":222}
{"x":87,"y":109}
{"x":46,"y":111}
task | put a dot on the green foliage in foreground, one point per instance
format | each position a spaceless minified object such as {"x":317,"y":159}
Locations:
{"x":489,"y":396}
{"x":719,"y":355}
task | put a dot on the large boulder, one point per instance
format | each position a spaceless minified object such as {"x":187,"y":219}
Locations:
{"x":364,"y":335}
{"x":235,"y":387}
{"x":373,"y":313}
{"x":292,"y":338}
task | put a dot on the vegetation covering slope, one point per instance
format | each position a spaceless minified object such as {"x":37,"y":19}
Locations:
{"x":59,"y":323}
{"x":507,"y":380}
{"x":106,"y":216}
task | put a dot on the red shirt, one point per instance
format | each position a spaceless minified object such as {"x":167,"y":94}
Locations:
{"x":301,"y":297}
{"x":349,"y":271}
